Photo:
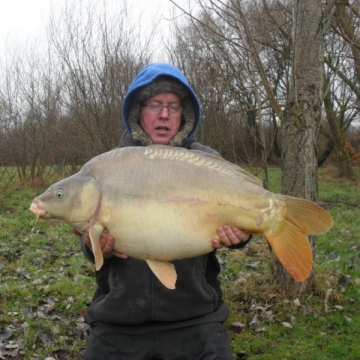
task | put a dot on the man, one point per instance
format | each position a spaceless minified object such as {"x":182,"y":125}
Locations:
{"x":132,"y":315}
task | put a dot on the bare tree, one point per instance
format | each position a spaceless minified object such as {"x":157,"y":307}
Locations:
{"x":60,"y":100}
{"x":298,"y":105}
{"x":302,"y":113}
{"x":29,"y":111}
{"x":218,"y":64}
{"x":101,"y":53}
{"x":342,"y":90}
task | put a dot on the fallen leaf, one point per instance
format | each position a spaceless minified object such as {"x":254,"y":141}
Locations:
{"x":255,"y":322}
{"x":46,"y":339}
{"x":6,"y":334}
{"x":237,"y":326}
{"x":12,"y":345}
{"x":262,"y":329}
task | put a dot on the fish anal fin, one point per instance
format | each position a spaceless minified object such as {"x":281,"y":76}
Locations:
{"x":164,"y":271}
{"x":95,"y":233}
{"x":293,"y":249}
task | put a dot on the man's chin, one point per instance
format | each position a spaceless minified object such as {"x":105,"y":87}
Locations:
{"x":161,"y":139}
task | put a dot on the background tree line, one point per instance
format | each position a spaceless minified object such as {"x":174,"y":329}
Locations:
{"x":60,"y":104}
{"x":279,"y":82}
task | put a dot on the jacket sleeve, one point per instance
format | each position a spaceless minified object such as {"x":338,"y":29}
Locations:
{"x":86,"y":250}
{"x":241,"y":244}
{"x":197,"y":146}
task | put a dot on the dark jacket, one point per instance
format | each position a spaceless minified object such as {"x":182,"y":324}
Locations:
{"x":129,"y":294}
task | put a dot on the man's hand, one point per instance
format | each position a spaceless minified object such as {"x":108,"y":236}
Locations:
{"x":106,"y":242}
{"x":229,"y":236}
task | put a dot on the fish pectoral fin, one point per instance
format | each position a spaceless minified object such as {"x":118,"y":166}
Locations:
{"x":164,"y":271}
{"x":292,"y":247}
{"x":95,"y":235}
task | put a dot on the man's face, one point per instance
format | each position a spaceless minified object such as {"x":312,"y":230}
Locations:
{"x":162,"y":125}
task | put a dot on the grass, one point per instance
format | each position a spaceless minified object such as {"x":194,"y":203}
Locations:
{"x":46,"y":284}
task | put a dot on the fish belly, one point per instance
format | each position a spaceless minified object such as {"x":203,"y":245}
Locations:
{"x":168,"y":230}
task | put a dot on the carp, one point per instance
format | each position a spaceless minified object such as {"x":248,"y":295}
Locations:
{"x":164,"y":203}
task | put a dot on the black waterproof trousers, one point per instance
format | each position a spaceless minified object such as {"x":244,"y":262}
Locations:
{"x":200,"y":342}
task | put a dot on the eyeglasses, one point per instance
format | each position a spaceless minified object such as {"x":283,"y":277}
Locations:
{"x":156,"y":108}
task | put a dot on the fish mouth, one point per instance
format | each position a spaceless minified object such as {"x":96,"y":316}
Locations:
{"x":39,"y":211}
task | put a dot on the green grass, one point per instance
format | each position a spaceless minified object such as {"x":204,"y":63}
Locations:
{"x":46,"y":284}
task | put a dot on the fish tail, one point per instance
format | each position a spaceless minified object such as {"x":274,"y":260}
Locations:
{"x":289,"y":239}
{"x":309,"y":217}
{"x":292,"y":247}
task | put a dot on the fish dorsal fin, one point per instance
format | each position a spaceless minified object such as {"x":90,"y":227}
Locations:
{"x":95,"y":235}
{"x":164,"y":271}
{"x":199,"y":158}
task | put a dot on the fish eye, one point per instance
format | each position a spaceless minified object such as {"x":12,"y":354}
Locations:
{"x":59,"y":193}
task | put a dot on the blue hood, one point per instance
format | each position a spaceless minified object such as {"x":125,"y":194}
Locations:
{"x":147,"y":75}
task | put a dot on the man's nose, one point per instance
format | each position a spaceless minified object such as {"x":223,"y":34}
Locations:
{"x":164,"y":112}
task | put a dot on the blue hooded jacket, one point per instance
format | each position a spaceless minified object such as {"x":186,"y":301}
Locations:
{"x":146,"y":76}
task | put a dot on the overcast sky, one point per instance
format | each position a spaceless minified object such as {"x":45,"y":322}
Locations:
{"x":22,"y":20}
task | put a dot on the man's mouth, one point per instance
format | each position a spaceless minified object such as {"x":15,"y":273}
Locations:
{"x":162,"y":129}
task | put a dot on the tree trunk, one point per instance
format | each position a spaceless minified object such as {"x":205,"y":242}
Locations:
{"x":302,"y":114}
{"x":342,"y":150}
{"x":326,"y":153}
